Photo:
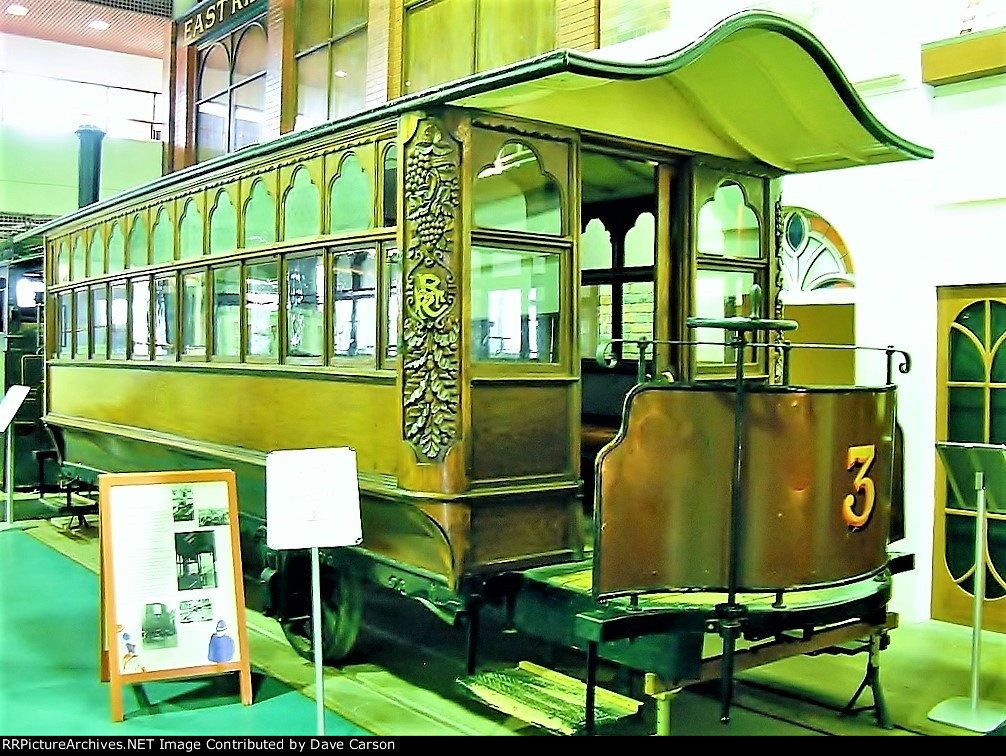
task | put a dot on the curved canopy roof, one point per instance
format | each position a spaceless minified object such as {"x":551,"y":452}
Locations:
{"x":756,"y":87}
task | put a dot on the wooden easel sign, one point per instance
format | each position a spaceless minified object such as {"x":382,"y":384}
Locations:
{"x":172,"y":597}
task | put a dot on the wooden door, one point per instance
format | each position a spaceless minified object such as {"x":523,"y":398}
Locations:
{"x":970,"y":407}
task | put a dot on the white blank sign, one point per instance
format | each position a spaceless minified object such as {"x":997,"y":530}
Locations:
{"x":11,"y":403}
{"x":312,"y":499}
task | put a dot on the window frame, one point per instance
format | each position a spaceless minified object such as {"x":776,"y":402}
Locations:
{"x":562,"y":249}
{"x":343,"y":361}
{"x":245,"y":356}
{"x":231,"y":44}
{"x":332,"y":41}
{"x":285,"y":356}
{"x":755,"y":192}
{"x":148,"y":357}
{"x":92,"y":354}
{"x":182,"y":274}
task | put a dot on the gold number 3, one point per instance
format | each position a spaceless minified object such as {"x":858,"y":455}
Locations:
{"x":863,"y":456}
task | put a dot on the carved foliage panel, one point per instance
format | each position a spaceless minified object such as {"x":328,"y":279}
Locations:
{"x":431,"y":331}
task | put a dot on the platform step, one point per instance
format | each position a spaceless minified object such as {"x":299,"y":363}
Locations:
{"x":547,"y":698}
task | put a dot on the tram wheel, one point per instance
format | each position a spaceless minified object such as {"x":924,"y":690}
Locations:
{"x":341,"y":614}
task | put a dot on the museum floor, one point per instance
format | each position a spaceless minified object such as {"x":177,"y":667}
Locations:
{"x":49,"y":682}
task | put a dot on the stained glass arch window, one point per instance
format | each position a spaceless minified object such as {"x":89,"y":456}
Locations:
{"x":813,"y":255}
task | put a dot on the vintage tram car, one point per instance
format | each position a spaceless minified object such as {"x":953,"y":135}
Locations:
{"x":428,"y":282}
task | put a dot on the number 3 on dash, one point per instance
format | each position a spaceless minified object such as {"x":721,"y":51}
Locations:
{"x":862,"y":456}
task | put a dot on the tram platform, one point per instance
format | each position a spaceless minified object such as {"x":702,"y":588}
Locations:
{"x":392,"y":688}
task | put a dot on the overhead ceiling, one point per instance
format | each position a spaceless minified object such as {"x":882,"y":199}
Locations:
{"x":138,"y":28}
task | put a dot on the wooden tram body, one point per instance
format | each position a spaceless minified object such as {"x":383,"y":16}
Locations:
{"x":420,"y":282}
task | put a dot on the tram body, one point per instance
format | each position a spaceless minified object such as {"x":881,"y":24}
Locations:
{"x":424,"y":283}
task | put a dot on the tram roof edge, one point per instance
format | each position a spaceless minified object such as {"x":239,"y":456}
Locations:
{"x":699,"y":99}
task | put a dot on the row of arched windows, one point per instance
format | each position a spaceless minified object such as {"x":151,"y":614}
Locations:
{"x":129,"y":245}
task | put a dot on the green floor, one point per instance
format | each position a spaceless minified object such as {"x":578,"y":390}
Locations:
{"x":49,"y":677}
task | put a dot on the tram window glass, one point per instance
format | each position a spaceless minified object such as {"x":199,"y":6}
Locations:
{"x":595,"y":246}
{"x":190,"y":232}
{"x":514,"y":192}
{"x":62,"y":264}
{"x":80,"y":329}
{"x":163,"y":238}
{"x":96,"y":255}
{"x":227,"y":312}
{"x":77,"y":260}
{"x":260,"y":216}
{"x":194,"y":314}
{"x":302,"y":207}
{"x":165,"y":317}
{"x":223,"y":224}
{"x":515,"y":305}
{"x":138,"y":254}
{"x":476,"y":44}
{"x":116,"y":249}
{"x":305,"y":308}
{"x":727,"y":226}
{"x":595,"y":317}
{"x":390,"y":187}
{"x":262,"y":309}
{"x":230,"y":102}
{"x":721,"y":294}
{"x":331,"y":54}
{"x":354,"y":303}
{"x":393,"y":272}
{"x":351,"y":202}
{"x":139,"y":307}
{"x":99,"y":322}
{"x":65,"y":315}
{"x":118,"y":319}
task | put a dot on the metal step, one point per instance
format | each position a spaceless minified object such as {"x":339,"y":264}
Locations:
{"x":547,"y":698}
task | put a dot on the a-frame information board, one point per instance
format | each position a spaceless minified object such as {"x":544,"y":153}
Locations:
{"x":172,"y":598}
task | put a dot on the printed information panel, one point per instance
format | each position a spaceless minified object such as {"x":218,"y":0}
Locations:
{"x":171,"y":587}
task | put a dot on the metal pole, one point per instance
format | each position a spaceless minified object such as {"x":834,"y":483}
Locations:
{"x":730,"y":613}
{"x":976,"y":619}
{"x":9,"y":475}
{"x":663,"y":701}
{"x":319,"y":682}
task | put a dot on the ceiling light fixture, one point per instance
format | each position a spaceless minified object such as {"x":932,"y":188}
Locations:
{"x":17,"y":10}
{"x":98,"y":25}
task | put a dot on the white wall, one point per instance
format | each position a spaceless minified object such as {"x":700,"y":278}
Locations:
{"x":912,"y":227}
{"x":59,"y":61}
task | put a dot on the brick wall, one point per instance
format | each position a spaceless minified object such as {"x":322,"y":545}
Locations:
{"x":576,"y":24}
{"x":621,"y":20}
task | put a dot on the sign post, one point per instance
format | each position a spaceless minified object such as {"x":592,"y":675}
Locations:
{"x":978,"y":469}
{"x":9,"y":407}
{"x":313,"y":502}
{"x":171,"y":591}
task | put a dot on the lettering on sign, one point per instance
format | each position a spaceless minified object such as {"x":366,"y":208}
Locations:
{"x":862,"y":457}
{"x":211,"y":16}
